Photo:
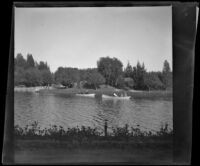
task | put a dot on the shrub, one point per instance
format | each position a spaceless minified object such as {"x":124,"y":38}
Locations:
{"x":83,"y":133}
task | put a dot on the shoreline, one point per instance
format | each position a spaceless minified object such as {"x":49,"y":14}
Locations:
{"x":91,"y":138}
{"x":98,"y":92}
{"x":29,"y":89}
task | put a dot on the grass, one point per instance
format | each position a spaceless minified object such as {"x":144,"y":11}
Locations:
{"x":88,"y":136}
{"x":114,"y":155}
{"x":86,"y":144}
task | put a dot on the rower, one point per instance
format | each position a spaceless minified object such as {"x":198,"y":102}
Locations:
{"x":115,"y":94}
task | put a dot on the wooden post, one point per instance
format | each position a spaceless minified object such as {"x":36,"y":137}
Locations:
{"x":127,"y":137}
{"x":105,"y":128}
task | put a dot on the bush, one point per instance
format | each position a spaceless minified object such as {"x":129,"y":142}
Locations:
{"x":120,"y":83}
{"x":33,"y":131}
{"x":152,"y":81}
{"x":129,"y":82}
{"x":32,"y":77}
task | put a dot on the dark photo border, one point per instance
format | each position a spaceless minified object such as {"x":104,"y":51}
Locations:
{"x":184,"y":39}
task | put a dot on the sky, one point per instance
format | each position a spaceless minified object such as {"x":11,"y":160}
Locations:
{"x":78,"y":37}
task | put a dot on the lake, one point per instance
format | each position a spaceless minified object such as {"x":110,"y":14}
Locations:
{"x":54,"y":109}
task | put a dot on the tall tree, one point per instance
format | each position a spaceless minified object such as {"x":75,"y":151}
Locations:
{"x":138,"y":76}
{"x":110,"y":68}
{"x":43,"y":66}
{"x":30,"y":61}
{"x":166,"y":67}
{"x":20,"y":61}
{"x":167,"y":75}
{"x":128,"y":70}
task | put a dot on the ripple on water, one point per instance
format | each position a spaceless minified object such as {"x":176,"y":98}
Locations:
{"x":73,"y":111}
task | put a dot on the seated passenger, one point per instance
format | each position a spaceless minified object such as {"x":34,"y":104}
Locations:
{"x":115,"y":94}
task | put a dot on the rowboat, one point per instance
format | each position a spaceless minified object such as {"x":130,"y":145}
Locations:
{"x":86,"y":95}
{"x":116,"y":97}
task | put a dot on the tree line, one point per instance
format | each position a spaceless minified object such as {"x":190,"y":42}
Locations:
{"x":30,"y":73}
{"x":109,"y":71}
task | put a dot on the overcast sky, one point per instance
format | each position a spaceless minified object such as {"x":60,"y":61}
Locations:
{"x":78,"y":37}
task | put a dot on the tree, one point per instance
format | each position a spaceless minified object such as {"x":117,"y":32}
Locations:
{"x":110,"y":68}
{"x":138,"y":76}
{"x":152,"y":81}
{"x":67,"y":76}
{"x":120,"y":83}
{"x":19,"y":76}
{"x":43,"y":66}
{"x":128,"y":70}
{"x":30,"y":73}
{"x":166,"y":67}
{"x":46,"y":77}
{"x":59,"y":76}
{"x":45,"y":73}
{"x":95,"y":79}
{"x":30,"y":61}
{"x":20,"y":61}
{"x":167,"y":75}
{"x":32,"y":77}
{"x":129,"y":82}
{"x":83,"y":73}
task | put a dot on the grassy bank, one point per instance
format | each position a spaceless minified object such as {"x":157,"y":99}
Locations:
{"x":85,"y":144}
{"x":91,"y":137}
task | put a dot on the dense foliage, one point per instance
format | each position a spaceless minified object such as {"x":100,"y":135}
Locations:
{"x":30,"y":73}
{"x":109,"y":71}
{"x":71,"y":76}
{"x":143,"y":80}
{"x":80,"y":133}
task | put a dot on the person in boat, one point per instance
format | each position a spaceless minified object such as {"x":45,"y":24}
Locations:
{"x":114,"y":94}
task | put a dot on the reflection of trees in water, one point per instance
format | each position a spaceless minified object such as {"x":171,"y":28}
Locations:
{"x":72,"y":111}
{"x":109,"y":110}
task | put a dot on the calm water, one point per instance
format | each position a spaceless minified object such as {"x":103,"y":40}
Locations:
{"x":50,"y":109}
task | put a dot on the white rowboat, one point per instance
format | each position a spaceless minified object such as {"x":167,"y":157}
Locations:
{"x":116,"y":97}
{"x":86,"y":95}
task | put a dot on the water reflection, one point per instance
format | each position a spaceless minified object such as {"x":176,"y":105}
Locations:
{"x":109,"y":111}
{"x":72,"y":111}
